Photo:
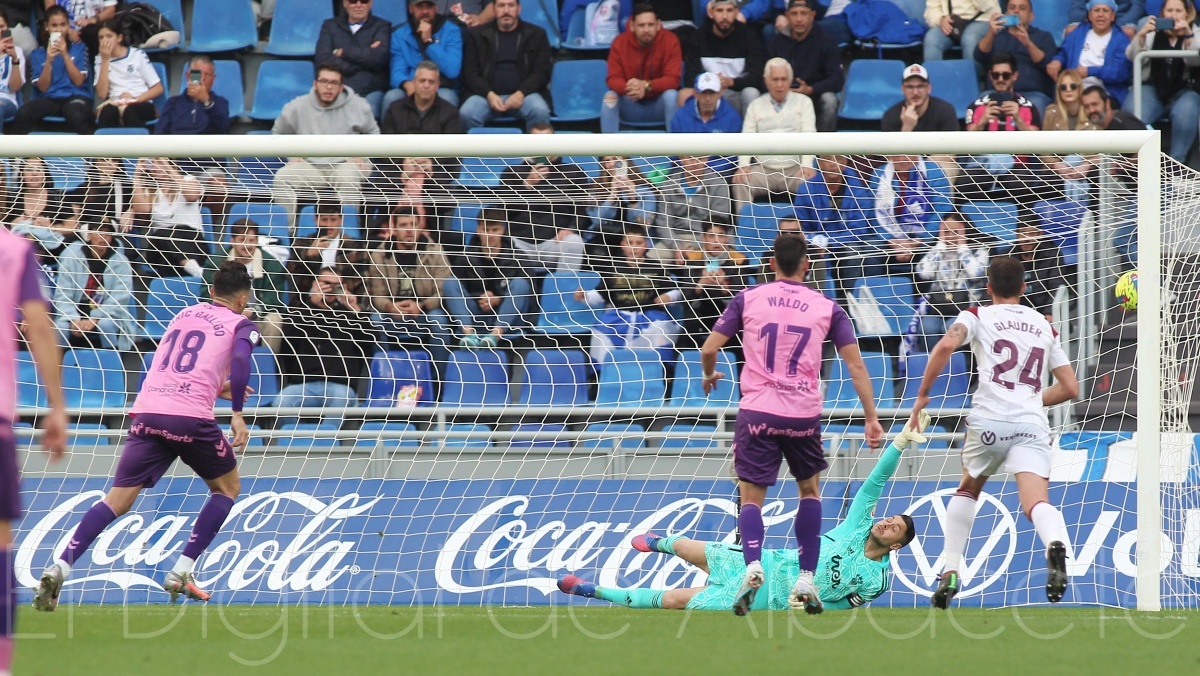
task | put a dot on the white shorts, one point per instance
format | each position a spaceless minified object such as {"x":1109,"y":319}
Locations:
{"x":1018,"y":447}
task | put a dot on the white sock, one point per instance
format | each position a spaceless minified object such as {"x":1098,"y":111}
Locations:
{"x":1049,"y":524}
{"x":64,"y":567}
{"x":185,"y":564}
{"x":960,"y":514}
{"x":193,"y":268}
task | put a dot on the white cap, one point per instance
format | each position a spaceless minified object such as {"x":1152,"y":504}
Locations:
{"x":915,"y":70}
{"x":708,"y":82}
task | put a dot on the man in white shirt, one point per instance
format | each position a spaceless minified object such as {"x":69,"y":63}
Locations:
{"x":780,"y":110}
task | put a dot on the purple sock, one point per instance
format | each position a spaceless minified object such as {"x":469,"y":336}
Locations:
{"x":808,"y":532}
{"x":94,"y":523}
{"x":212,"y":517}
{"x":751,"y":524}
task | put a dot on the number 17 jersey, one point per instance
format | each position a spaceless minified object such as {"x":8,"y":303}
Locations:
{"x":1014,"y":347}
{"x":192,"y":361}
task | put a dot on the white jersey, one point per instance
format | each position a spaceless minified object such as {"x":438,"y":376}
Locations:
{"x":1014,"y":347}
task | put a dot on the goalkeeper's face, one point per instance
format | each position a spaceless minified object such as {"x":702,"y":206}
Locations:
{"x":891,"y":532}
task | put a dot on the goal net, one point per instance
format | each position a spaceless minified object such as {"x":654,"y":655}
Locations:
{"x":480,"y":367}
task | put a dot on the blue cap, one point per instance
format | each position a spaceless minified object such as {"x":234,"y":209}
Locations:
{"x":1111,"y":4}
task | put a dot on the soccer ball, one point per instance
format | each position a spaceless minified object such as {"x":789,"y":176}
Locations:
{"x":1126,"y":290}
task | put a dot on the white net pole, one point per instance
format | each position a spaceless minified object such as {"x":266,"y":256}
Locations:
{"x":1149,"y":378}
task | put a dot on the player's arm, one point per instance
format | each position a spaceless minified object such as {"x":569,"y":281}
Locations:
{"x":42,"y":337}
{"x":239,"y":380}
{"x":862,"y":386}
{"x":938,"y":358}
{"x":868,"y":494}
{"x":725,"y":328}
{"x":1065,"y":387}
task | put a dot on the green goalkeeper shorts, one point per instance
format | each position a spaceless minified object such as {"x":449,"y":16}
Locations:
{"x":726,"y":568}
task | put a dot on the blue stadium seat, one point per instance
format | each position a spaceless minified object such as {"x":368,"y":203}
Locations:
{"x":835,"y":444}
{"x":954,"y":81}
{"x":577,"y":88}
{"x":271,"y":219}
{"x":576,"y":37}
{"x":306,"y":221}
{"x":534,"y":12}
{"x":93,"y":378}
{"x":476,"y":378}
{"x":483,"y":171}
{"x":1061,"y":220}
{"x":264,"y":379}
{"x":172,"y":11}
{"x":840,"y":391}
{"x":1052,"y":17}
{"x":256,"y":175}
{"x":393,"y":370}
{"x":631,"y":378}
{"x":82,"y":436}
{"x":686,"y":389}
{"x":590,"y":164}
{"x":227,"y":83}
{"x":30,"y":391}
{"x":222,"y":26}
{"x":298,"y":440}
{"x":627,"y":437}
{"x":279,"y":82}
{"x":167,"y":297}
{"x":895,"y":298}
{"x":467,"y":443}
{"x":540,"y":444}
{"x":703,"y":443}
{"x":994,"y":219}
{"x":561,"y":313}
{"x":872,"y":86}
{"x":387,"y":426}
{"x":161,"y":99}
{"x":951,"y":389}
{"x":554,"y":378}
{"x":122,"y":131}
{"x":68,"y":172}
{"x":465,"y":218}
{"x":757,"y":226}
{"x":395,"y":11}
{"x":295,"y":27}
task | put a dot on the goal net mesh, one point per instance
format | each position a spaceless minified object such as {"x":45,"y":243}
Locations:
{"x":480,"y":374}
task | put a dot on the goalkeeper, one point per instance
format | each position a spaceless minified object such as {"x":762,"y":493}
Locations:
{"x":854,"y":567}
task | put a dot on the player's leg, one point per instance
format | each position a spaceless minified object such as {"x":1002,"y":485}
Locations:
{"x":1030,"y":461}
{"x":685,"y":548}
{"x":805,"y":457}
{"x":8,"y":597}
{"x":960,"y":515}
{"x":630,"y":598}
{"x":756,"y":460}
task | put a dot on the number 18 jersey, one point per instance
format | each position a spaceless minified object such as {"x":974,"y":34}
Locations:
{"x":192,"y":361}
{"x":1014,"y":347}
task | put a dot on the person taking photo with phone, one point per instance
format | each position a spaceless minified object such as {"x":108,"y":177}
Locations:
{"x":12,"y":70}
{"x":60,"y":74}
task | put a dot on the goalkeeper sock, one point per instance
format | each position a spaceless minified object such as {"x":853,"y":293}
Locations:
{"x":1049,"y":524}
{"x":808,"y":532}
{"x":667,"y":545}
{"x":750,"y":522}
{"x":208,"y":523}
{"x":632,"y":598}
{"x":94,"y":522}
{"x":960,"y":514}
{"x":8,"y":608}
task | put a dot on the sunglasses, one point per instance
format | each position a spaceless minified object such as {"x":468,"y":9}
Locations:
{"x":358,"y":2}
{"x":1001,"y":74}
{"x":1068,"y":86}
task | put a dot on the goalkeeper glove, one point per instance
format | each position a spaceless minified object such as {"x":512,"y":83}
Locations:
{"x":911,"y":435}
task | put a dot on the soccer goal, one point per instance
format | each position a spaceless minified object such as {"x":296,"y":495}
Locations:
{"x":481,"y":366}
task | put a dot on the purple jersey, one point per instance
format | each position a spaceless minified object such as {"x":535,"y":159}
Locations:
{"x":192,"y":361}
{"x":20,"y":282}
{"x":784,"y":325}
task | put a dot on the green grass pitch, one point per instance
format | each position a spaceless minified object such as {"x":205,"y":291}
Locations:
{"x":311,"y":640}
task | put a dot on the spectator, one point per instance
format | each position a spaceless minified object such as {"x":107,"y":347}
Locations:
{"x":919,"y":111}
{"x":198,"y":111}
{"x":835,"y":22}
{"x":956,"y":22}
{"x":19,"y":11}
{"x":61,"y":68}
{"x":1169,"y":84}
{"x":714,"y":274}
{"x":268,"y":278}
{"x":358,"y":43}
{"x":623,"y":195}
{"x":174,"y":243}
{"x":468,"y":13}
{"x":637,"y":292}
{"x":408,"y":271}
{"x":506,"y":70}
{"x":12,"y":72}
{"x":1031,"y":46}
{"x":93,"y":293}
{"x":1045,"y":271}
{"x":730,"y":49}
{"x":707,"y":113}
{"x":911,"y":195}
{"x":816,"y":61}
{"x":425,"y":112}
{"x":327,"y":340}
{"x":951,"y":275}
{"x":38,"y":212}
{"x":1126,"y":14}
{"x":1097,"y":51}
{"x":126,"y":82}
{"x":104,"y":194}
{"x":490,"y":291}
{"x":87,"y":19}
{"x":329,"y":108}
{"x":834,"y":208}
{"x":608,"y":19}
{"x":1097,"y":103}
{"x":427,"y":36}
{"x":780,"y":111}
{"x":692,"y":195}
{"x":325,"y":247}
{"x":1067,"y":113}
{"x":644,"y":66}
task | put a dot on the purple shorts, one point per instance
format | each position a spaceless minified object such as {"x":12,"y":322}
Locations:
{"x":10,"y":474}
{"x":762,"y":441}
{"x":155,"y":440}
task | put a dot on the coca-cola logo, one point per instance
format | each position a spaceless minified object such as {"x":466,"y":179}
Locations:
{"x":305,"y":558}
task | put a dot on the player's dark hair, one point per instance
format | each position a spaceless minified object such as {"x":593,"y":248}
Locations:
{"x":789,"y":253}
{"x":1006,"y":275}
{"x":910,"y":530}
{"x":231,"y":279}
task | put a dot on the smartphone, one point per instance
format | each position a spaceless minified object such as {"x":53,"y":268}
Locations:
{"x":55,"y":37}
{"x":541,"y":160}
{"x":1010,"y":20}
{"x":194,"y":76}
{"x":621,"y":169}
{"x":5,"y":34}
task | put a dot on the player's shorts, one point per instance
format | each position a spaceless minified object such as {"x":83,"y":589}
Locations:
{"x":1015,"y":446}
{"x":10,"y":474}
{"x":155,"y":440}
{"x":726,"y":568}
{"x":762,"y":441}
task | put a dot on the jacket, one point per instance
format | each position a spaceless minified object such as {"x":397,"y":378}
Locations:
{"x":1033,"y":74}
{"x":681,"y":216}
{"x":725,"y":120}
{"x":268,"y":278}
{"x":536,"y":213}
{"x":402,"y":117}
{"x":366,"y":67}
{"x":741,"y":51}
{"x":349,"y":114}
{"x":113,"y":300}
{"x":320,"y":344}
{"x":398,"y":275}
{"x":845,"y":222}
{"x":661,"y":64}
{"x":533,"y":50}
{"x":882,"y":21}
{"x":1117,"y":71}
{"x":816,"y":59}
{"x":182,"y":114}
{"x":479,"y":272}
{"x":446,"y":51}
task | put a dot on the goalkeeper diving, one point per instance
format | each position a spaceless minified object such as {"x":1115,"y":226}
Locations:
{"x":854,"y":567}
